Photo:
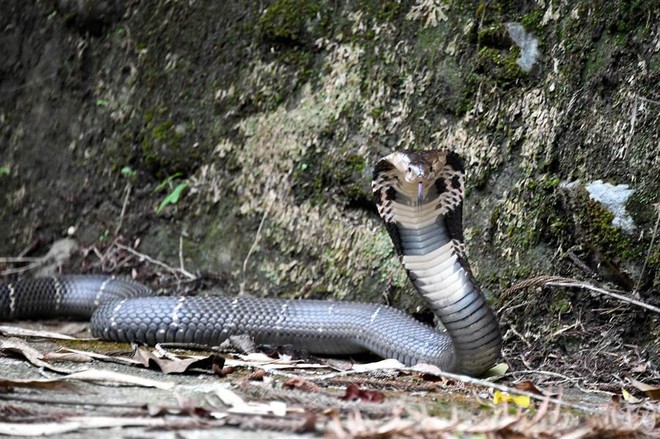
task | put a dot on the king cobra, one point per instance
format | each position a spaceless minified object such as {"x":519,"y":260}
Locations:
{"x":419,"y":195}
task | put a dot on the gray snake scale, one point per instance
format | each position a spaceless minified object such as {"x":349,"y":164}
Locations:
{"x":418,"y":194}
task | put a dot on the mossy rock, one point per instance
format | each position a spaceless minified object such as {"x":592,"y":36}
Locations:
{"x":342,"y":174}
{"x":499,"y":65}
{"x":164,"y":148}
{"x":290,"y":22}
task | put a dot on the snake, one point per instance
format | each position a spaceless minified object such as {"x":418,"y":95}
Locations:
{"x":418,"y":194}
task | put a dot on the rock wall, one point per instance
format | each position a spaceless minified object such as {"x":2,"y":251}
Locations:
{"x":271,"y":114}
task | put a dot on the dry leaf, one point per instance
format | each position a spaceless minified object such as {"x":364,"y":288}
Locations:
{"x":629,"y":397}
{"x":15,"y":331}
{"x":102,"y":357}
{"x":17,"y":346}
{"x":354,"y":393}
{"x":497,"y":370}
{"x":652,"y":392}
{"x":301,"y":384}
{"x":528,"y":386}
{"x":236,"y":404}
{"x":145,"y":357}
{"x":76,"y":357}
{"x":36,"y":384}
{"x":75,"y":423}
{"x":380,"y":365}
{"x":257,"y":375}
{"x":108,"y":376}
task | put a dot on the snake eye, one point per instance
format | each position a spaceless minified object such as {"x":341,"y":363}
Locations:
{"x":409,"y":169}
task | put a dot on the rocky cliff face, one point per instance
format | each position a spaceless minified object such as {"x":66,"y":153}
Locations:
{"x":268,"y":116}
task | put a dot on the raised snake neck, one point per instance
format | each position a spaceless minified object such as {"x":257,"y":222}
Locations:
{"x":418,"y":194}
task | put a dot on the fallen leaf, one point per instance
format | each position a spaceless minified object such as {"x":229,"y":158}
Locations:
{"x":20,"y":347}
{"x":652,"y":392}
{"x":519,"y":400}
{"x":301,"y":384}
{"x":146,"y":358}
{"x":497,"y":370}
{"x":390,"y":363}
{"x":107,"y":376}
{"x":237,"y":404}
{"x":627,"y":396}
{"x":528,"y":386}
{"x":101,"y":357}
{"x":223,"y":371}
{"x":96,"y":375}
{"x":257,"y":375}
{"x":76,"y":357}
{"x":15,"y":331}
{"x":75,"y":423}
{"x":36,"y":384}
{"x":428,"y":371}
{"x":354,"y":393}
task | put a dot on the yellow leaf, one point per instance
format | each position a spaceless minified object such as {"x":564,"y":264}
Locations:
{"x":629,"y":397}
{"x":519,"y":400}
{"x":497,"y":370}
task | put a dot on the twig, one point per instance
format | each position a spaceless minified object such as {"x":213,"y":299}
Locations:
{"x":123,"y":207}
{"x":648,"y":253}
{"x":514,"y":373}
{"x":556,"y":281}
{"x":524,"y":340}
{"x":51,"y":401}
{"x":652,"y":101}
{"x":153,"y":261}
{"x":538,"y":281}
{"x":586,"y":286}
{"x":181,"y":266}
{"x":22,"y":269}
{"x":18,"y":259}
{"x":271,"y":198}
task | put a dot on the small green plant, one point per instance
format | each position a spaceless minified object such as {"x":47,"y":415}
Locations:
{"x":129,"y":173}
{"x":175,"y":194}
{"x":4,"y":170}
{"x":102,"y":103}
{"x":105,"y":235}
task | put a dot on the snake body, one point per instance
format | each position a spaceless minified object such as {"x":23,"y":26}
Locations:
{"x":419,"y":195}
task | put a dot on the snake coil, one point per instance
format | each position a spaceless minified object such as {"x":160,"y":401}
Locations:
{"x":419,"y":195}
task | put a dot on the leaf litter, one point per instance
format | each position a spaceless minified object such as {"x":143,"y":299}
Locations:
{"x":282,"y":384}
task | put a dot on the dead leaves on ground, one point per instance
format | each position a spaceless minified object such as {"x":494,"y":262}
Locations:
{"x":140,"y":356}
{"x":509,"y":412}
{"x":653,"y":392}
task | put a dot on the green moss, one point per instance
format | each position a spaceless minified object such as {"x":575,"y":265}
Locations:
{"x":286,"y":21}
{"x":602,"y":235}
{"x":560,"y":304}
{"x":532,"y":20}
{"x":163,"y":150}
{"x":495,"y":36}
{"x":543,"y":220}
{"x":341,"y":173}
{"x":502,"y":66}
{"x":387,"y":11}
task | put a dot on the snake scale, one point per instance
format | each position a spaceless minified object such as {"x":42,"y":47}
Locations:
{"x":419,"y":195}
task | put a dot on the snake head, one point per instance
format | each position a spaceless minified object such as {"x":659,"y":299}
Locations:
{"x":417,"y":171}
